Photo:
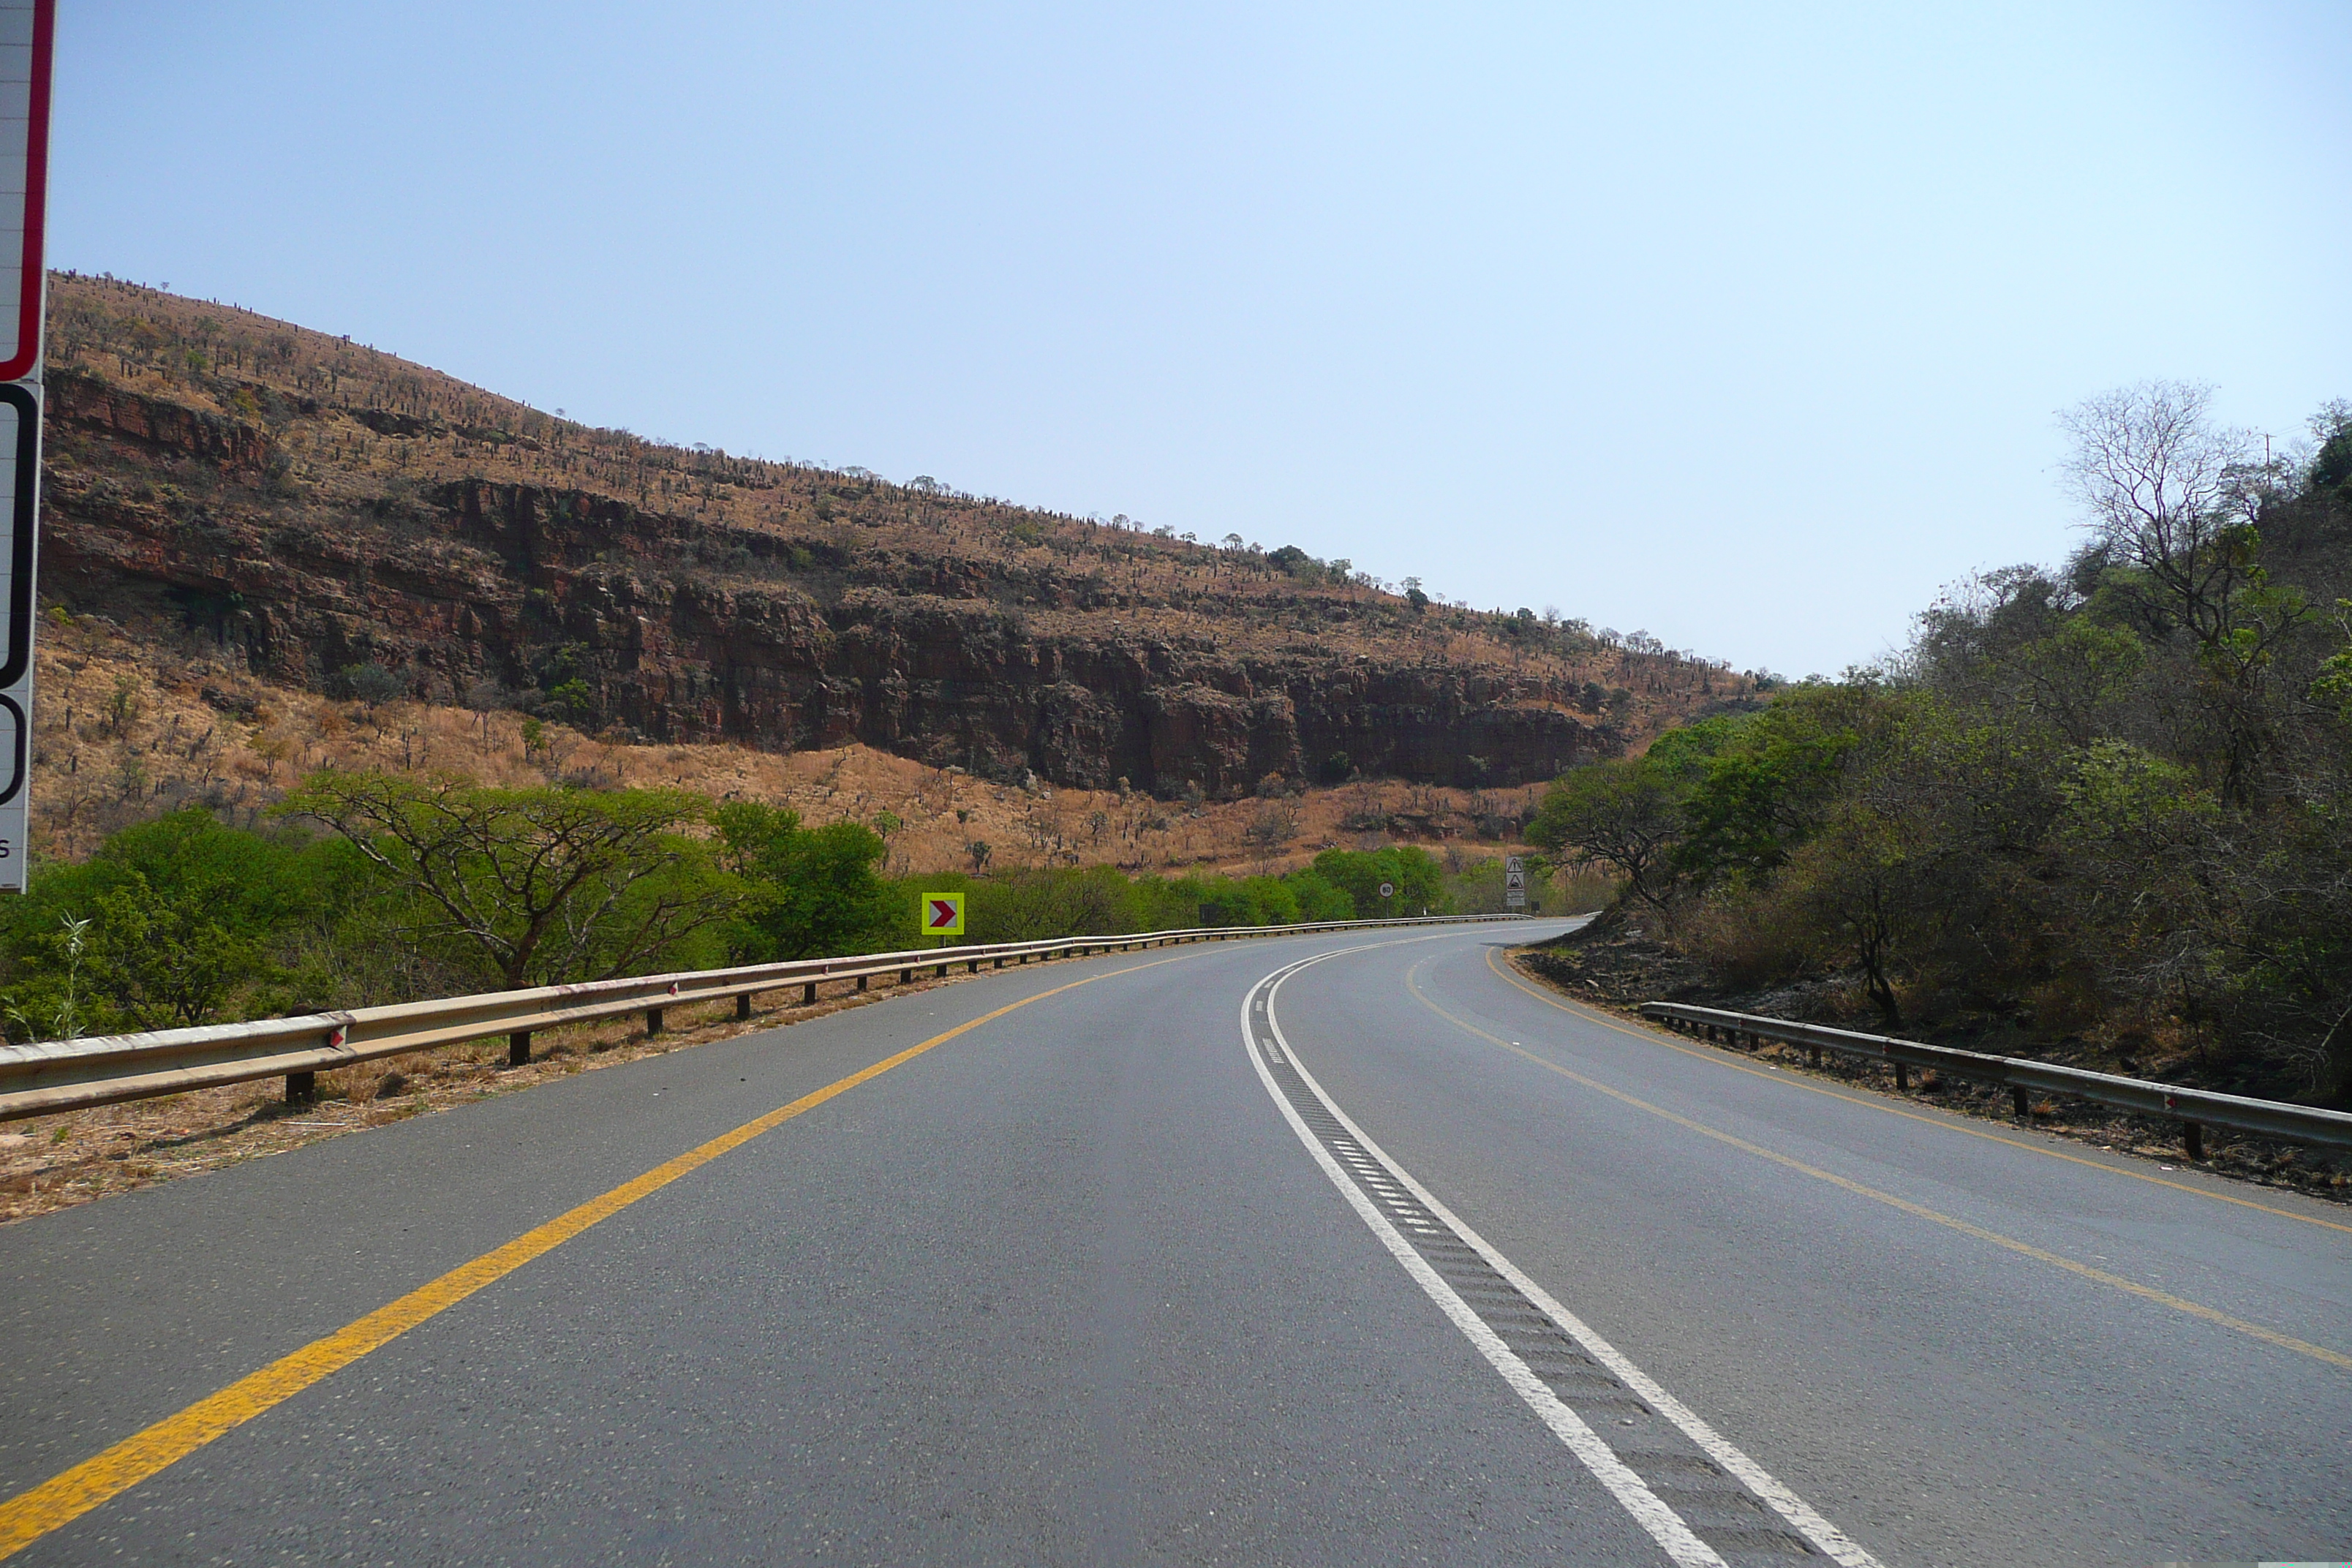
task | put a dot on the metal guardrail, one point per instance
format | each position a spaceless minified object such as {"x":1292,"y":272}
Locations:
{"x":64,"y":1075}
{"x":2195,"y":1108}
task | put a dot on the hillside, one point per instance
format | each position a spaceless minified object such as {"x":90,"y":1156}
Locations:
{"x":254,"y":506}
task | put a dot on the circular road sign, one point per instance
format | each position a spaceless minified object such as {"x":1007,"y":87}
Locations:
{"x":1388,"y":890}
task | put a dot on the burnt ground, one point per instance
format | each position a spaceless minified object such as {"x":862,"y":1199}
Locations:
{"x":1620,"y":961}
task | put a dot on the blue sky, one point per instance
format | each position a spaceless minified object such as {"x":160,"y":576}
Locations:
{"x":1741,"y":325}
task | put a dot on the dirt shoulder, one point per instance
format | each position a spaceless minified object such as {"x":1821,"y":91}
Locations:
{"x":1622,"y":965}
{"x":72,"y":1157}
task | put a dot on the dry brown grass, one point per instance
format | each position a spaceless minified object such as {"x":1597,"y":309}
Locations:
{"x":50,"y":1163}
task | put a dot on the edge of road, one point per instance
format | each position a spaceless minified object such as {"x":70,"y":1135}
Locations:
{"x":81,"y":1488}
{"x":1960,"y":1120}
{"x":141,"y":1144}
{"x":49,"y":1505}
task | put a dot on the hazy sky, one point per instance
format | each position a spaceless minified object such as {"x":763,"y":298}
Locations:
{"x":1742,"y":325}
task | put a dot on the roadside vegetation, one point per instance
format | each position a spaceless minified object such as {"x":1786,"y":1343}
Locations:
{"x":2102,"y":811}
{"x":363,"y":888}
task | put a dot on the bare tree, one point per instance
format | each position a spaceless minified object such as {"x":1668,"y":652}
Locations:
{"x":1275,"y":825}
{"x":2166,"y":491}
{"x":2173,"y":501}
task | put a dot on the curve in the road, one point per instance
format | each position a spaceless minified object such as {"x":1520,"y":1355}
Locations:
{"x":1658,"y":1037}
{"x":1551,"y":1359}
{"x":1917,"y":1211}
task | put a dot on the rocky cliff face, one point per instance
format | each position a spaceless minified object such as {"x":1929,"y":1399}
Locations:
{"x":312,"y":522}
{"x":477,"y":590}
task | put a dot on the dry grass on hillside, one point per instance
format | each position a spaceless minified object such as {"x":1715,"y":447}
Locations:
{"x":130,"y":726}
{"x":354,"y":422}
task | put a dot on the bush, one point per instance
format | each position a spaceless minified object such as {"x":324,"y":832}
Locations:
{"x":815,"y":891}
{"x":176,"y":922}
{"x":1418,"y":881}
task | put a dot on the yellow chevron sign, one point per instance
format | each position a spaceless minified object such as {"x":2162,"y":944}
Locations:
{"x":939,"y":914}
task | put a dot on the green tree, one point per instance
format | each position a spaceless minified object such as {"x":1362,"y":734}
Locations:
{"x":540,"y":886}
{"x":180,"y":921}
{"x":1620,"y":815}
{"x":814,"y":891}
{"x":1317,"y":898}
{"x":1413,"y":872}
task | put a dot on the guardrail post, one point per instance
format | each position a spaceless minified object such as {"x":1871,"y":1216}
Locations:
{"x":2017,"y":1102}
{"x":972,"y":968}
{"x":808,"y":993}
{"x":861,"y":982}
{"x":1813,"y":1054}
{"x":519,"y":1048}
{"x":743,"y":1006}
{"x":2192,"y":1139}
{"x":301,"y":1085}
{"x":1902,"y":1078}
{"x":653,"y":1022}
{"x":906,"y":978}
{"x":942,"y":974}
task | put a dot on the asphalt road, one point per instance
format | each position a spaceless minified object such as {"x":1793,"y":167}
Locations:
{"x":1387,"y":1260}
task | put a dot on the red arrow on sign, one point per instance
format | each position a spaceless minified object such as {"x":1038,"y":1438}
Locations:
{"x":943,"y":914}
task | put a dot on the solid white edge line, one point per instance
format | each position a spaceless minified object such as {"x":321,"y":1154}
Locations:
{"x":1830,"y":1540}
{"x":1664,"y":1525}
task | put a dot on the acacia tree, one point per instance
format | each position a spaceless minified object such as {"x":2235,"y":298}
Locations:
{"x":546,"y":886}
{"x":1618,"y":814}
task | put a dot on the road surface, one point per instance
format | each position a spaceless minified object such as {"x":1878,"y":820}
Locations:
{"x":1344,"y":1249}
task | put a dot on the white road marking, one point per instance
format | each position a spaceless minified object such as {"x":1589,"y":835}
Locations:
{"x":1666,"y":1527}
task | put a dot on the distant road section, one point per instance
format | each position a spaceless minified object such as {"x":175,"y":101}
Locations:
{"x":1331,"y":1249}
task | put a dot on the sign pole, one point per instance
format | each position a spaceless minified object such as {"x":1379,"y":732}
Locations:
{"x":27,"y":30}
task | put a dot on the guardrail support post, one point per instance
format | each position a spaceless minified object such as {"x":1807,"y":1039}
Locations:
{"x":1814,"y":1053}
{"x":2017,"y":1102}
{"x":653,"y":1022}
{"x":906,"y":978}
{"x":743,"y":1006}
{"x":519,"y":1048}
{"x":861,"y":982}
{"x":942,"y":974}
{"x":1902,"y":1078}
{"x":808,"y":992}
{"x":301,"y":1085}
{"x":2192,"y":1138}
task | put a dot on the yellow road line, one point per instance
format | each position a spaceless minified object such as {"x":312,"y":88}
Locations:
{"x":2027,"y":1249}
{"x":66,"y":1496}
{"x":1661,"y":1038}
